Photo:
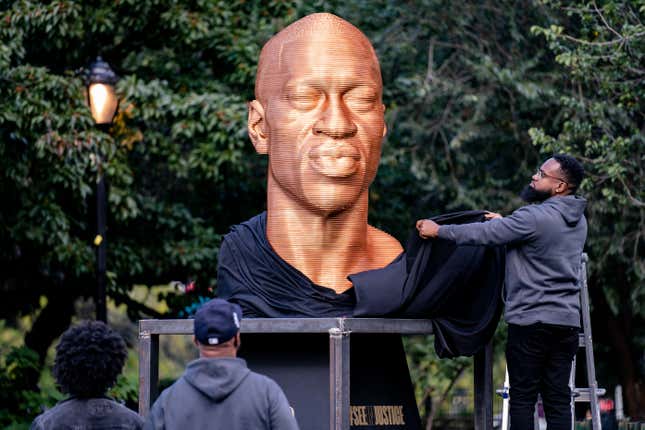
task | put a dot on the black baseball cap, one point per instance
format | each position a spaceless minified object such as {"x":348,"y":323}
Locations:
{"x":217,"y":321}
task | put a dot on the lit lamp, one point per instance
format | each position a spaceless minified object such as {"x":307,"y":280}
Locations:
{"x":103,"y":104}
{"x":100,"y":92}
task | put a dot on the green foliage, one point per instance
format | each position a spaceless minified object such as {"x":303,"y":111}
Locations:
{"x":433,"y":378}
{"x":18,"y":400}
{"x":126,"y":391}
{"x":176,"y":159}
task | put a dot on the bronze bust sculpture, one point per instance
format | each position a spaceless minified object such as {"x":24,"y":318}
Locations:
{"x":318,"y":114}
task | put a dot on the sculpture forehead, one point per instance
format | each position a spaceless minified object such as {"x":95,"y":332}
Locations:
{"x":318,"y":26}
{"x":316,"y":30}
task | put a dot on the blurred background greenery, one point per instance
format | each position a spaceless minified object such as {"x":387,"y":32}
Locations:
{"x":477,"y":95}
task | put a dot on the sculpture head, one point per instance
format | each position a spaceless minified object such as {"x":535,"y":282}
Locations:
{"x":318,"y":113}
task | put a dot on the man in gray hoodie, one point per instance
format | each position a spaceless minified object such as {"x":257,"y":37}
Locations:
{"x":217,"y":390}
{"x":543,"y":260}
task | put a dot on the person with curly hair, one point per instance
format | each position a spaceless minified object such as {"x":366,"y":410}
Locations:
{"x":89,"y":358}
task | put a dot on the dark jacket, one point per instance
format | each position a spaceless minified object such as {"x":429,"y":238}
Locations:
{"x":88,"y":414}
{"x":544,"y":250}
{"x":221,"y":393}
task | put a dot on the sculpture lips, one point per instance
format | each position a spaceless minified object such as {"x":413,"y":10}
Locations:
{"x":334,"y":160}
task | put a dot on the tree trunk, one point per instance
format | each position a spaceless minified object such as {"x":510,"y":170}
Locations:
{"x":52,"y":321}
{"x":444,"y":395}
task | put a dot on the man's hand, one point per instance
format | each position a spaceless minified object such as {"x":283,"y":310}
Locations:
{"x":427,"y":229}
{"x":492,"y":215}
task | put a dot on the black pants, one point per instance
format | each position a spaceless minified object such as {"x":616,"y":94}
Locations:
{"x":539,"y":358}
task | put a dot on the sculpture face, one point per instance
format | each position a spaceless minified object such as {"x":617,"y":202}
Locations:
{"x":323,"y":118}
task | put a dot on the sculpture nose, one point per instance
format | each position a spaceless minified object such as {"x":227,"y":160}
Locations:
{"x":336,"y":121}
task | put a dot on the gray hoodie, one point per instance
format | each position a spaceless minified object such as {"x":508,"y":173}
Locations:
{"x":543,"y":257}
{"x":221,"y":393}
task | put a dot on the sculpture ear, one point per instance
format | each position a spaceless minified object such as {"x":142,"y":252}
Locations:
{"x":256,"y":127}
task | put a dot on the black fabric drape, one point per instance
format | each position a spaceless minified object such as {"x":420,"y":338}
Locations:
{"x":458,"y":287}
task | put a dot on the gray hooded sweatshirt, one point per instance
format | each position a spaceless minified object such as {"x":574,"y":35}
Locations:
{"x":543,"y":258}
{"x":221,"y":393}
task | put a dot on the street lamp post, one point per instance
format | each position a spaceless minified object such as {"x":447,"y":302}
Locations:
{"x":103,"y":104}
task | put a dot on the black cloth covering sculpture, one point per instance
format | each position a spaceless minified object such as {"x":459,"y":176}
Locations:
{"x":458,"y":287}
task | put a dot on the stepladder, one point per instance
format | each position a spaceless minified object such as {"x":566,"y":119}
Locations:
{"x":588,"y":394}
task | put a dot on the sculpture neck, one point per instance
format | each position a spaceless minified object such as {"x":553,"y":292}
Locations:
{"x":326,"y":247}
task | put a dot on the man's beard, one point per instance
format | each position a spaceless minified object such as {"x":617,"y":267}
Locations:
{"x":531,"y":195}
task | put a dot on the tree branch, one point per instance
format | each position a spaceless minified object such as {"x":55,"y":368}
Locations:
{"x":133,"y":304}
{"x":444,"y":395}
{"x":634,"y":200}
{"x":622,"y":39}
{"x":430,"y":70}
{"x":605,"y":21}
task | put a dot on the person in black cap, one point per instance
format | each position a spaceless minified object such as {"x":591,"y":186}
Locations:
{"x":89,"y":358}
{"x":218,"y":390}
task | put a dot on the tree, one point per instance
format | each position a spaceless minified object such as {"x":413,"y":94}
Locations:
{"x":176,"y":159}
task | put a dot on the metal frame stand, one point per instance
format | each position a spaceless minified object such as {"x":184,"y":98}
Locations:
{"x":339,"y":330}
{"x":339,"y":378}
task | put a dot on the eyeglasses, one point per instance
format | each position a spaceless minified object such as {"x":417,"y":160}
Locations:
{"x":541,"y":174}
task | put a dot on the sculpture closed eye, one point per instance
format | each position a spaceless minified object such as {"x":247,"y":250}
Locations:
{"x":304,"y":97}
{"x":361,"y":99}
